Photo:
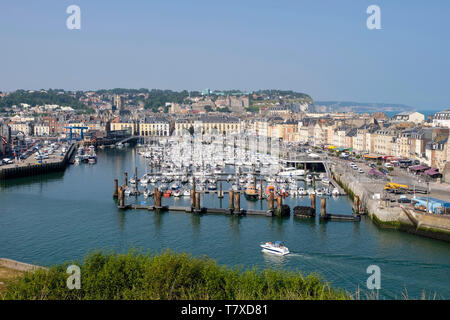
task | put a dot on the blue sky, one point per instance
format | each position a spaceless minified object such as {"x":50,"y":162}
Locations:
{"x":320,"y":47}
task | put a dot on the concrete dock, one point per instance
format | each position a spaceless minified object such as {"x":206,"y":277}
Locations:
{"x":30,"y":168}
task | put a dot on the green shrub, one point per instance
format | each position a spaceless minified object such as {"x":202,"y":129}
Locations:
{"x":167,"y":276}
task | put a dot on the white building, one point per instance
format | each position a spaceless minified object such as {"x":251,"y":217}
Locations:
{"x":442,"y":119}
{"x":41,"y":130}
{"x":409,"y":116}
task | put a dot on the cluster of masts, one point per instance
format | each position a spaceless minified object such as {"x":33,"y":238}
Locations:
{"x":178,"y":165}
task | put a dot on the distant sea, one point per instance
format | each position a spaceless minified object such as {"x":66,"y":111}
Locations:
{"x":427,"y":112}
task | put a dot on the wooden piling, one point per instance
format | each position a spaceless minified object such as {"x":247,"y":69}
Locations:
{"x":231,"y":203}
{"x":157,"y":197}
{"x":237,"y":203}
{"x":121,"y":196}
{"x":270,"y":204}
{"x":279,"y":205}
{"x":323,"y":207}
{"x":192,"y":198}
{"x":220,"y":190}
{"x":313,"y":202}
{"x":116,"y":188}
{"x":125,"y":179}
{"x":261,"y":194}
{"x":197,"y":202}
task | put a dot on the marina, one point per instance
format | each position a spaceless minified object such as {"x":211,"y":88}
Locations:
{"x":44,"y":235}
{"x":184,"y":166}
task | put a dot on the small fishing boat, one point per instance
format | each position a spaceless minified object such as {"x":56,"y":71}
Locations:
{"x":276,"y":247}
{"x":251,"y":193}
{"x":177,"y":193}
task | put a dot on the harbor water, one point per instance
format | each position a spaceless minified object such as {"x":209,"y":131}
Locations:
{"x":60,"y":217}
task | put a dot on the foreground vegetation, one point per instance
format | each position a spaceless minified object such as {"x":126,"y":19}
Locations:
{"x":167,"y":276}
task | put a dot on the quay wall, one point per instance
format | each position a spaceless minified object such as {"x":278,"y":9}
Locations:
{"x":26,"y":170}
{"x":392,"y":217}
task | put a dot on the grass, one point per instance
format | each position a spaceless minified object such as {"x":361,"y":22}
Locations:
{"x":7,"y":276}
{"x":167,"y":276}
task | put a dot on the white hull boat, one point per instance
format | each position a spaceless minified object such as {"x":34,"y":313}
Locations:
{"x":274,"y":248}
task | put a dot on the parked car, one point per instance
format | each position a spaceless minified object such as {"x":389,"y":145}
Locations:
{"x":385,"y":171}
{"x":7,"y":161}
{"x":388,"y":165}
{"x":372,"y":165}
{"x":360,"y":170}
{"x":404,"y":200}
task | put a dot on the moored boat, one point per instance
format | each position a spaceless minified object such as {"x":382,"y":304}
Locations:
{"x":251,"y":193}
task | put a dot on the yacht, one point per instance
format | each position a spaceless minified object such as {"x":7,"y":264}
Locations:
{"x":276,"y":247}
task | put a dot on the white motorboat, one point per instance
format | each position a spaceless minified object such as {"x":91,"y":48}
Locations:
{"x":177,"y":193}
{"x":291,"y":172}
{"x":325,"y":180}
{"x":276,"y":247}
{"x":302,"y":192}
{"x":335,"y":192}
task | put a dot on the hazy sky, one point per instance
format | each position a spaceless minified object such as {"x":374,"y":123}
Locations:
{"x":320,"y":47}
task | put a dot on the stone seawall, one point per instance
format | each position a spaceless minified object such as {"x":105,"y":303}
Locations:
{"x":387,"y":216}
